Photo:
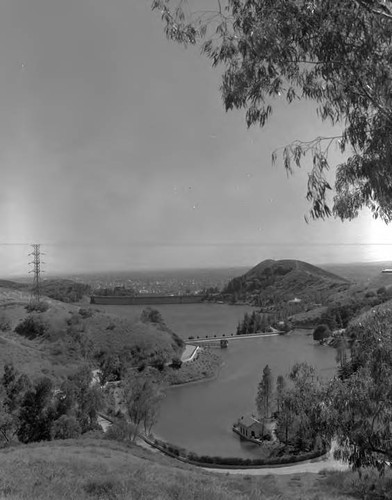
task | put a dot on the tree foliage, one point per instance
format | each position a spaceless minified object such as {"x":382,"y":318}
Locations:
{"x":301,"y":420}
{"x":36,"y":413}
{"x":321,"y":332}
{"x":336,"y":53}
{"x":360,"y":403}
{"x":143,"y":394}
{"x":32,"y":327}
{"x":264,"y":394}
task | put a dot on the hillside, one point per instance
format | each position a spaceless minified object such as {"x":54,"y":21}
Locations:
{"x":380,"y":280}
{"x":102,"y":469}
{"x":62,"y":289}
{"x":284,"y":280}
{"x":74,"y":335}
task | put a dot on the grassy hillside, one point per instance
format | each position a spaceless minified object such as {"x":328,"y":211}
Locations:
{"x":56,"y":355}
{"x":102,"y":469}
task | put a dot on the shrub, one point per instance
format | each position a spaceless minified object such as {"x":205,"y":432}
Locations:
{"x":65,"y":427}
{"x":102,"y":488}
{"x":321,"y":332}
{"x":32,"y":327}
{"x":121,"y":431}
{"x":37,"y":307}
{"x":85,"y":313}
{"x":176,"y":363}
{"x":73,"y":320}
{"x":5,"y":325}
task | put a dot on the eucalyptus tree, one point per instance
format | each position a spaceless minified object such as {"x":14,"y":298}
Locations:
{"x":337,"y":53}
{"x":360,"y":402}
{"x":264,"y":393}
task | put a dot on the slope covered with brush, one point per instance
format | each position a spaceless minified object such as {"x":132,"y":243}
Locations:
{"x":286,"y":280}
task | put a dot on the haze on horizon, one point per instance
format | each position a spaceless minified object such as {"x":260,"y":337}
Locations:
{"x":116,"y":153}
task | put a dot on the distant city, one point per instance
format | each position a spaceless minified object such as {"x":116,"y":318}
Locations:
{"x":173,"y":282}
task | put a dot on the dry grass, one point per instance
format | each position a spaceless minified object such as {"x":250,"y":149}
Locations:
{"x":102,"y":469}
{"x":50,"y":357}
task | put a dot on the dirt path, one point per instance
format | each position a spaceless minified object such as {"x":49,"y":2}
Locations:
{"x":312,"y":467}
{"x":309,"y":466}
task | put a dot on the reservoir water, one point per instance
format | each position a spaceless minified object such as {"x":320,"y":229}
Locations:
{"x":199,"y":416}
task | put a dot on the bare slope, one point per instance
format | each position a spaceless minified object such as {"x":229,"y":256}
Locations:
{"x":285,"y":280}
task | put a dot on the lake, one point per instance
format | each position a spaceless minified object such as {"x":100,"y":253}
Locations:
{"x":199,"y":416}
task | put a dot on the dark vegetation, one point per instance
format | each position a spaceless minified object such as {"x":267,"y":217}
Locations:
{"x":253,"y":323}
{"x":205,"y":460}
{"x":33,"y":327}
{"x":260,"y":323}
{"x":277,"y":282}
{"x":65,"y":290}
{"x":37,"y":411}
{"x":321,"y":332}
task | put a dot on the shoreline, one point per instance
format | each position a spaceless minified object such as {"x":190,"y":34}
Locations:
{"x":199,"y":380}
{"x":319,"y":461}
{"x":206,"y":361}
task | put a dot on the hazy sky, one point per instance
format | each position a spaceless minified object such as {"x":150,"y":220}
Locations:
{"x":116,"y":152}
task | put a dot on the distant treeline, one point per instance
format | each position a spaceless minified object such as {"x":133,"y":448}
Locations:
{"x":65,"y":290}
{"x":257,"y":322}
{"x":253,"y":323}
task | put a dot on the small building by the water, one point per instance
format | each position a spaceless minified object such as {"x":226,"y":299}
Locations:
{"x":250,"y":428}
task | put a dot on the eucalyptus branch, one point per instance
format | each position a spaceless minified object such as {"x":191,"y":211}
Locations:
{"x":383,"y":12}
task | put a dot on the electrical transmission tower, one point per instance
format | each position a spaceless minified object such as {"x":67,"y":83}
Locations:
{"x":36,"y":263}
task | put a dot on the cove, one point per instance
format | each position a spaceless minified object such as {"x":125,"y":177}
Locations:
{"x":199,"y":416}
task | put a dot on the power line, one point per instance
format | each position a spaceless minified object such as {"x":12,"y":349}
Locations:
{"x":35,"y":297}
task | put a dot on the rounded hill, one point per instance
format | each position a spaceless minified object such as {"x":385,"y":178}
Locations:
{"x":285,"y":280}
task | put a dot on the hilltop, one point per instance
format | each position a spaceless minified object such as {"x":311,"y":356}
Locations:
{"x":283,"y":280}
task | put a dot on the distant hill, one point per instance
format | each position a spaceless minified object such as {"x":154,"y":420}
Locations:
{"x":285,"y":280}
{"x":65,"y":290}
{"x":358,"y":272}
{"x":380,"y":280}
{"x":13,"y":285}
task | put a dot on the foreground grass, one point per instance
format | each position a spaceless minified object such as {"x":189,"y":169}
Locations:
{"x":102,"y":469}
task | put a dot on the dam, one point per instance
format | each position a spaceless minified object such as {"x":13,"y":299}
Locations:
{"x":146,"y":300}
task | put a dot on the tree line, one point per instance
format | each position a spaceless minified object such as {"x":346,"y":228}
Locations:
{"x":354,"y":407}
{"x":290,"y":401}
{"x":38,"y":411}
